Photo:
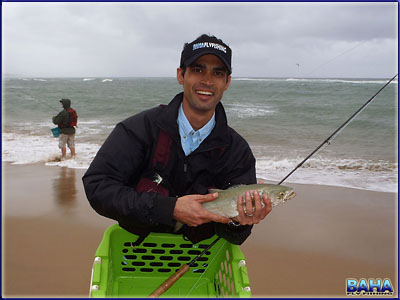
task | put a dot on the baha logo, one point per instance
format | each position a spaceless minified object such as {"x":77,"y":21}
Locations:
{"x":370,"y":287}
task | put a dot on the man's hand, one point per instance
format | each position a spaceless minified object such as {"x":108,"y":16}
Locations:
{"x":254,"y":214}
{"x":188,"y":210}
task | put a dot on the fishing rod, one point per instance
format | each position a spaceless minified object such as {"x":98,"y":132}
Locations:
{"x":181,"y":271}
{"x":171,"y":280}
{"x":337,"y":131}
{"x":41,"y":101}
{"x":315,"y":69}
{"x":47,"y":104}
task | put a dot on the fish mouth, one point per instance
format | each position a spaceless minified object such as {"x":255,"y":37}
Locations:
{"x":290,"y":195}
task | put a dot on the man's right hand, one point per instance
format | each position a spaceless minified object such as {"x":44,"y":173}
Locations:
{"x":188,"y":210}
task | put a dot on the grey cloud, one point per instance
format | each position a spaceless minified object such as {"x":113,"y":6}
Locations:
{"x":145,"y":39}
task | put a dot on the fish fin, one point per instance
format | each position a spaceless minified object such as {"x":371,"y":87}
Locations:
{"x":178,"y":226}
{"x":230,"y":187}
{"x":234,"y":186}
{"x":212,"y":191}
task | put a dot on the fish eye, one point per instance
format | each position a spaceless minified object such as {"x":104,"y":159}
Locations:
{"x":282,"y":194}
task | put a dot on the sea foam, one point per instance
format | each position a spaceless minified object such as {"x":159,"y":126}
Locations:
{"x":354,"y":173}
{"x":29,"y":149}
{"x":361,"y":174}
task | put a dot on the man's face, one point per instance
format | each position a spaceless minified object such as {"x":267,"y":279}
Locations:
{"x":204,"y":84}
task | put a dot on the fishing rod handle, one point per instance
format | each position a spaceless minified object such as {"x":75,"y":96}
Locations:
{"x":169,"y":282}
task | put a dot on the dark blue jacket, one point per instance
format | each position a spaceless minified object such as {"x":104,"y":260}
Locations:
{"x":126,"y":159}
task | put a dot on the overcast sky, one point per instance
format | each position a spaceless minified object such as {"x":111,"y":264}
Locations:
{"x":146,"y":39}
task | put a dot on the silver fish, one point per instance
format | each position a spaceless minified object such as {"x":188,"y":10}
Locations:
{"x":226,"y":203}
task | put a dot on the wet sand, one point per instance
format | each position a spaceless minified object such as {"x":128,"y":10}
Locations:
{"x":304,"y":248}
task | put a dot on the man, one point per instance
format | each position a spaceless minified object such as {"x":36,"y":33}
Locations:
{"x":155,"y":168}
{"x":66,"y":120}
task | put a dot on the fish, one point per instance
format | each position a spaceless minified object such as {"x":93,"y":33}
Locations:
{"x":226,"y":203}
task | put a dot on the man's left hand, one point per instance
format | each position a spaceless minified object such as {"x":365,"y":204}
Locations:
{"x":254,"y":214}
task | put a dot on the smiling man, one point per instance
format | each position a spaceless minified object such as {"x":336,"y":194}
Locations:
{"x":155,"y":169}
{"x":205,"y":82}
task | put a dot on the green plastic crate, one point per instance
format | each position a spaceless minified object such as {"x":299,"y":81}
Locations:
{"x":119,"y":270}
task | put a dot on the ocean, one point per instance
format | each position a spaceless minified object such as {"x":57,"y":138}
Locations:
{"x":283,"y":119}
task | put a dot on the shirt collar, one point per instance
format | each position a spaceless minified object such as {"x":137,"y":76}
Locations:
{"x":185,"y":128}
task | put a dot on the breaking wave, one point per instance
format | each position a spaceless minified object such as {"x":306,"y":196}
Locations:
{"x":245,"y":110}
{"x":377,"y":81}
{"x":320,"y":80}
{"x":362,"y":174}
{"x":44,"y":149}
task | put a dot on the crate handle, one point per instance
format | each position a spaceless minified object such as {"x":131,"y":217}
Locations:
{"x":96,"y":270}
{"x":95,"y":277}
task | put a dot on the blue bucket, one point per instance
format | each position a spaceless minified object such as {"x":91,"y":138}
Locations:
{"x":56,"y":132}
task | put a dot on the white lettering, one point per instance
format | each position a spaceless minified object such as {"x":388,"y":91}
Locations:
{"x":209,"y":45}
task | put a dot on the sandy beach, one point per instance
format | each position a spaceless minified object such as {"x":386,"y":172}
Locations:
{"x":307,"y":247}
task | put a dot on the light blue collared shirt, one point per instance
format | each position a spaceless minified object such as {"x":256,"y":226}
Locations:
{"x":191,"y":139}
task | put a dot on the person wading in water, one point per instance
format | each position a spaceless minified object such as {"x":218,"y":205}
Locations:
{"x":66,"y":121}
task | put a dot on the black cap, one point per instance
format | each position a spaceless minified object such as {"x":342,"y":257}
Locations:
{"x":206,"y":44}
